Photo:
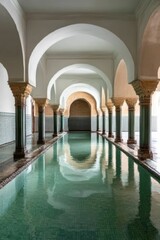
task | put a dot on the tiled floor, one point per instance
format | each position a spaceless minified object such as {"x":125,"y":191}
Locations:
{"x":9,"y":168}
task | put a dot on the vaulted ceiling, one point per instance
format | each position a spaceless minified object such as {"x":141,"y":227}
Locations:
{"x":81,"y":6}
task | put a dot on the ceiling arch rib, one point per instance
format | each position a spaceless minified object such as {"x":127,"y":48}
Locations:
{"x":79,"y":66}
{"x":120,"y":49}
{"x":79,"y":87}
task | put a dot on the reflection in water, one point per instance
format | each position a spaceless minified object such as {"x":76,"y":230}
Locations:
{"x":142,"y":223}
{"x":83,"y":148}
{"x":130,"y":172}
{"x":118,"y":164}
{"x":76,"y":191}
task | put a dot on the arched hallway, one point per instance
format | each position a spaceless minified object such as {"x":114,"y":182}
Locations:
{"x":77,"y":61}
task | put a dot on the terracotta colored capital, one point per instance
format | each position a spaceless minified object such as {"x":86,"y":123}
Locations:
{"x":99,"y":112}
{"x":55,"y":108}
{"x":41,"y":102}
{"x":131,"y":102}
{"x":103,"y":110}
{"x":145,"y":88}
{"x":110,"y":106}
{"x":118,"y":102}
{"x":61,"y":111}
{"x":20,"y":90}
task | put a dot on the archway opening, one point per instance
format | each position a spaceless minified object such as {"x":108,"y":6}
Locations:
{"x":80,"y":116}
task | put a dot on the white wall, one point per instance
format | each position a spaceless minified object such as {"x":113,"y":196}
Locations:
{"x":29,"y":105}
{"x":6,"y":97}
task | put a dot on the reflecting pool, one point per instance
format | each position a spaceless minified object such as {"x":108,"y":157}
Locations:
{"x":82,"y":188}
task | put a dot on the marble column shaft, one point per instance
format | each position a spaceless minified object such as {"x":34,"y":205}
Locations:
{"x":62,"y":120}
{"x":20,"y":91}
{"x":131,"y":102}
{"x":118,"y":102}
{"x":144,"y":89}
{"x":55,"y":120}
{"x":41,"y":102}
{"x":110,"y":120}
{"x":103,"y":120}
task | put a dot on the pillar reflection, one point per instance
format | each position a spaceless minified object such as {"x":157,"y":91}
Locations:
{"x":142,"y":223}
{"x":130,"y":172}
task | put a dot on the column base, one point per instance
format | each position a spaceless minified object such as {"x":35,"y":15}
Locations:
{"x":131,"y":141}
{"x":18,"y":154}
{"x":118,"y":139}
{"x":110,"y":135}
{"x":143,"y":154}
{"x":55,"y":135}
{"x":41,"y":141}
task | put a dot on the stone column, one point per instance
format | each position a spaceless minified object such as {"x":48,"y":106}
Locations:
{"x":103,"y":120}
{"x":99,"y":114}
{"x":62,"y":120}
{"x":118,"y":102}
{"x":41,"y":102}
{"x":20,"y":91}
{"x":131,"y":102}
{"x":55,"y":121}
{"x":110,"y":113}
{"x":144,"y":89}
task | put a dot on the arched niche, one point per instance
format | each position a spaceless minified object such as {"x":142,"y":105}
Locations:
{"x":80,"y":116}
{"x":91,"y":103}
{"x":81,"y":95}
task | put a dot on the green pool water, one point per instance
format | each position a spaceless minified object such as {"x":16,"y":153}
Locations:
{"x":82,"y":188}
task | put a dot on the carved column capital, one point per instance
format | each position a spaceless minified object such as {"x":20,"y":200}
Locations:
{"x":61,"y":111}
{"x":41,"y":102}
{"x":144,"y":89}
{"x":99,"y":111}
{"x":103,"y":110}
{"x":118,"y":102}
{"x":55,"y":108}
{"x":131,"y":102}
{"x":21,"y":91}
{"x":110,"y":106}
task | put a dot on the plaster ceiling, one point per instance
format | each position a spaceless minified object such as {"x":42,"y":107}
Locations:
{"x":81,"y":44}
{"x":72,"y":6}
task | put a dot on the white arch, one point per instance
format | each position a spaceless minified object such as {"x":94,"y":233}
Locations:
{"x":74,"y":66}
{"x":72,"y":30}
{"x":16,"y":13}
{"x":79,"y":87}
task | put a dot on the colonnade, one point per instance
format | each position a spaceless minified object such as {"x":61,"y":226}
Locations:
{"x":143,"y":88}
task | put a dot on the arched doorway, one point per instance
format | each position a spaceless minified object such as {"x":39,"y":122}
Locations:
{"x":80,"y":116}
